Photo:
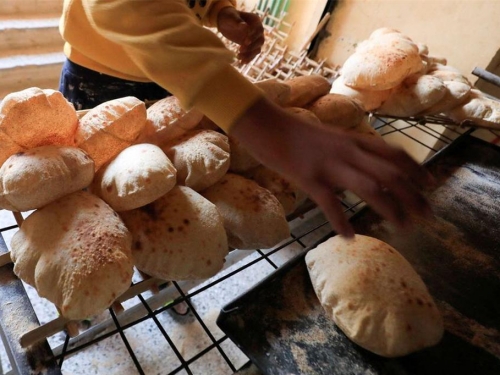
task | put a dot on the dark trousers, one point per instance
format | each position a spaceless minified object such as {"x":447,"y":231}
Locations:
{"x":86,"y":88}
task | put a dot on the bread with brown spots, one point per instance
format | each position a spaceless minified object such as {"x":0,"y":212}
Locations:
{"x":76,"y":252}
{"x":276,"y":91}
{"x":34,"y":117}
{"x":305,"y":89}
{"x":138,"y":175}
{"x":374,"y":295}
{"x":110,"y":127}
{"x":253,"y":216}
{"x":180,"y":236}
{"x":167,"y":120}
{"x":370,"y":99}
{"x":201,"y":158}
{"x":338,"y":110}
{"x":36,"y":177}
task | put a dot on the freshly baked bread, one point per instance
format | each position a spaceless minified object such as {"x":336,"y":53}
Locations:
{"x":338,"y":110}
{"x":480,"y":109}
{"x":456,"y":93}
{"x":240,"y":160}
{"x":110,"y":127}
{"x":34,"y":117}
{"x":416,"y":94}
{"x":365,"y":128}
{"x":138,"y":175}
{"x":34,"y":178}
{"x":381,"y":63}
{"x":370,"y":99}
{"x":374,"y":295}
{"x":8,"y":147}
{"x":253,"y":217}
{"x":305,"y":89}
{"x":451,"y":74}
{"x":76,"y":253}
{"x":377,"y":33}
{"x":180,"y":236}
{"x":289,"y":195}
{"x":167,"y":121}
{"x":201,"y":158}
{"x":276,"y":91}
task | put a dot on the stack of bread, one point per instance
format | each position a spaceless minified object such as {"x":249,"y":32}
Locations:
{"x":392,"y":75}
{"x":160,"y":189}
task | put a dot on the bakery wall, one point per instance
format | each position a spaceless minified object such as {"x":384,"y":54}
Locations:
{"x":464,"y":31}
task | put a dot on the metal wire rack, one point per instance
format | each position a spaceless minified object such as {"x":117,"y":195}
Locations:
{"x":57,"y":346}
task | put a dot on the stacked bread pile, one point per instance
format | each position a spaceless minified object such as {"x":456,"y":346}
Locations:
{"x":392,"y":75}
{"x":123,"y":186}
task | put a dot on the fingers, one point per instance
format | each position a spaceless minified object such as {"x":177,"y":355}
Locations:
{"x":324,"y":195}
{"x":247,"y":53}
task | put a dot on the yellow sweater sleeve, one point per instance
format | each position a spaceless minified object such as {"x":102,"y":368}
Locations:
{"x":166,"y":40}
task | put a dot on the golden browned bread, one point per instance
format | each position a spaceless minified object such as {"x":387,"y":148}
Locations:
{"x":34,"y":178}
{"x":276,"y":91}
{"x":201,"y":158}
{"x":305,"y":89}
{"x":253,"y":217}
{"x":8,"y":147}
{"x":138,"y":175}
{"x":110,"y":127}
{"x":478,"y":108}
{"x":338,"y":110}
{"x":374,"y":295}
{"x":370,"y":99}
{"x":76,"y":252}
{"x":179,"y":236}
{"x":34,"y":117}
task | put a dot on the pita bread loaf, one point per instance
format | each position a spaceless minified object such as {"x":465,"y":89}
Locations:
{"x":240,"y":160}
{"x":416,"y":94}
{"x":480,"y":109}
{"x":370,"y":99}
{"x":34,"y":117}
{"x":76,"y":253}
{"x":374,"y":295}
{"x":201,"y":158}
{"x":180,"y":236}
{"x":365,"y":128}
{"x":456,"y":93}
{"x":290,"y":196}
{"x":110,"y":127}
{"x":304,"y":113}
{"x":449,"y":75}
{"x":305,"y":89}
{"x":138,"y":175}
{"x":276,"y":91}
{"x":381,"y":63}
{"x":253,"y":217}
{"x":167,"y":120}
{"x":34,"y":178}
{"x":338,"y":110}
{"x":377,"y":33}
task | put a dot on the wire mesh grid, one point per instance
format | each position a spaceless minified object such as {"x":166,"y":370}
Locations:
{"x":148,"y":333}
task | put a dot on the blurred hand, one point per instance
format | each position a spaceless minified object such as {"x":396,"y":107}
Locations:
{"x":321,"y":159}
{"x":244,"y":29}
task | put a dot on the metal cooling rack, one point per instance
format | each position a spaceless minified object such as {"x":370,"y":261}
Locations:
{"x":150,"y":300}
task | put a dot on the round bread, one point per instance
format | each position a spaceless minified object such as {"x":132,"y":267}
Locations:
{"x":381,"y":63}
{"x":276,"y":91}
{"x":34,"y":117}
{"x":201,"y":158}
{"x":180,"y":236}
{"x":374,"y":295}
{"x":304,"y":113}
{"x":138,"y":175}
{"x":167,"y":120}
{"x":290,"y":196}
{"x":76,"y":253}
{"x":377,"y":33}
{"x":338,"y":110}
{"x":305,"y":89}
{"x":416,"y":94}
{"x":479,"y":109}
{"x":370,"y":99}
{"x":34,"y":178}
{"x":456,"y":93}
{"x":110,"y":127}
{"x":253,"y":217}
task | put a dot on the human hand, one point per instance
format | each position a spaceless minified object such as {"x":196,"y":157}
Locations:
{"x":244,"y":29}
{"x":320,"y":160}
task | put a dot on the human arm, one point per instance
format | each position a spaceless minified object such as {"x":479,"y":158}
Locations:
{"x":320,"y":159}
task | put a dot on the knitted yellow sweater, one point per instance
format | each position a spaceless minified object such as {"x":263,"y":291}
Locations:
{"x":162,"y":41}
